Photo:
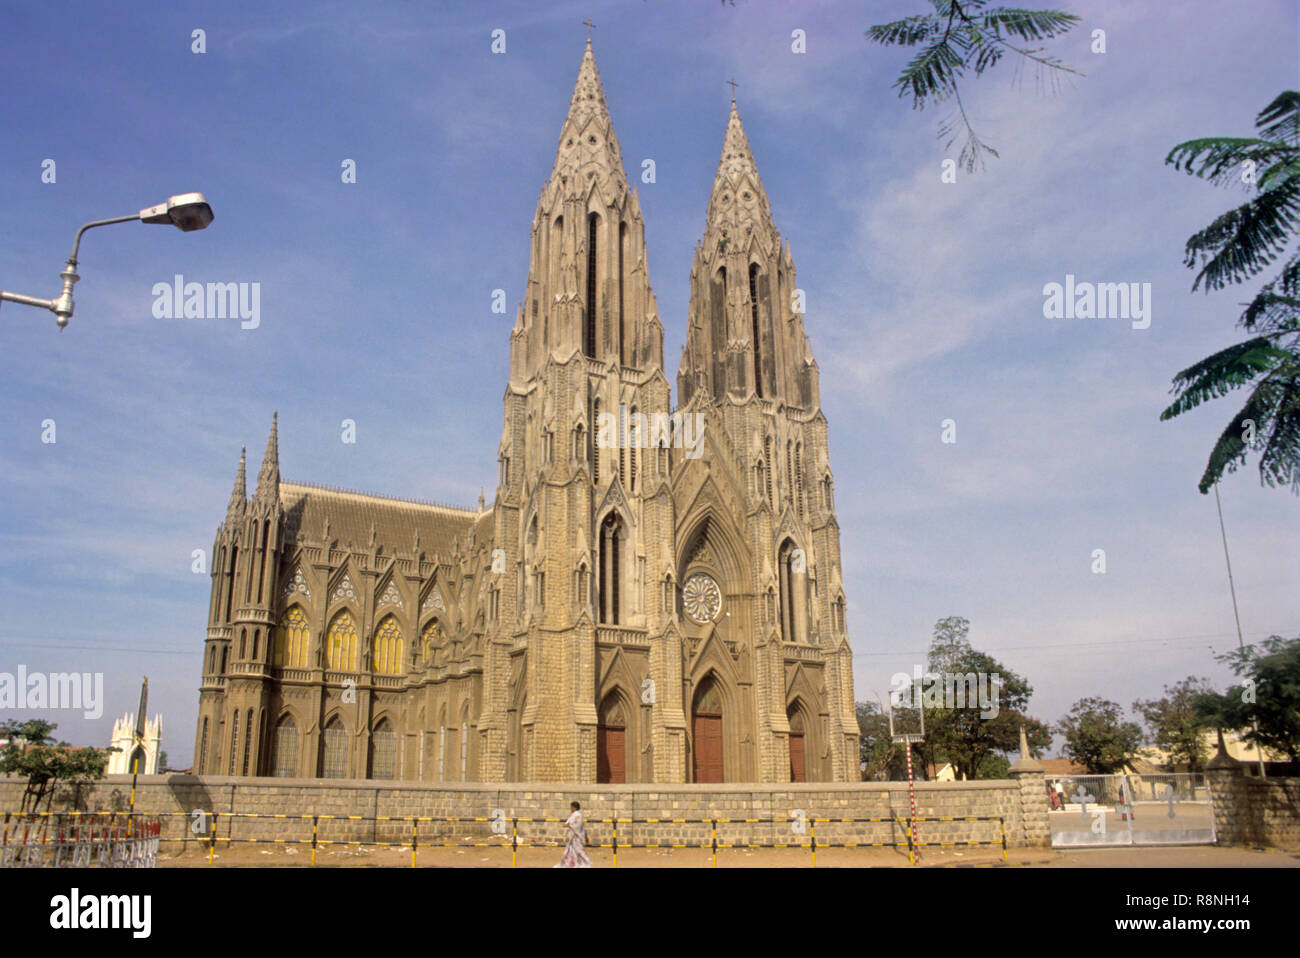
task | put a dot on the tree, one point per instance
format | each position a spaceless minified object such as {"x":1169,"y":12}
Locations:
{"x":1269,"y":696}
{"x":882,"y":758}
{"x":33,"y":752}
{"x":966,"y":35}
{"x":970,"y":733}
{"x":1097,"y":737}
{"x":1175,"y":723}
{"x":1235,"y":247}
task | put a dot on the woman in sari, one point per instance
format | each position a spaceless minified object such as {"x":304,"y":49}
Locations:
{"x":575,"y":840}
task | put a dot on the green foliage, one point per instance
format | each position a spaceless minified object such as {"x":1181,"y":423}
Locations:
{"x":1269,"y":696}
{"x":33,"y":753}
{"x":1237,"y":246}
{"x":1175,"y":723}
{"x":964,"y":736}
{"x":884,"y":760}
{"x":964,"y":35}
{"x":1097,"y":737}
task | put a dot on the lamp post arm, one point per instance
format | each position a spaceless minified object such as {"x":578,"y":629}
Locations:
{"x":76,"y":243}
{"x":62,"y":305}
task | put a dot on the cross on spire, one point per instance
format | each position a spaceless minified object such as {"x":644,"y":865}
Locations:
{"x":732,"y":84}
{"x":589,"y":25}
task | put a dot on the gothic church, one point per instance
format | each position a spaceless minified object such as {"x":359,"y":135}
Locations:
{"x":621,"y":612}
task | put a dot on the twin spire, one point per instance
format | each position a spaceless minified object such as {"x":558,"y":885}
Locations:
{"x":268,"y":480}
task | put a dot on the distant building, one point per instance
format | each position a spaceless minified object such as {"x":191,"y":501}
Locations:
{"x":1246,"y":753}
{"x":121,"y":761}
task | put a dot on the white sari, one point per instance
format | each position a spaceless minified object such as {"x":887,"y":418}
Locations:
{"x":575,"y":843}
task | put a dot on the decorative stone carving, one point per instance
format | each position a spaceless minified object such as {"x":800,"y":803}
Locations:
{"x":701,"y":598}
{"x":391,"y":596}
{"x":345,"y":590}
{"x":296,"y":584}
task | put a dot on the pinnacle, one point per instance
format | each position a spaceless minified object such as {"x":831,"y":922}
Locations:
{"x":268,"y":477}
{"x":239,"y":494}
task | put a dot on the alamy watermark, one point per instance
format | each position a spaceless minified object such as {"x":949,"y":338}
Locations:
{"x":181,"y":300}
{"x":1098,"y":301}
{"x":637,"y":430}
{"x":947,"y":690}
{"x":53,"y":690}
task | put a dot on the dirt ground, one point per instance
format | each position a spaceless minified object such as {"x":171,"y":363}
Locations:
{"x":1193,"y":856}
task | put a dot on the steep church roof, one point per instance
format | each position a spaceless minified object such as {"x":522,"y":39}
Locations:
{"x":352,"y":515}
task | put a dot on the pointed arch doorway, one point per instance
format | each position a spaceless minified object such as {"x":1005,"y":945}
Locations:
{"x":798,"y":765}
{"x":611,"y":741}
{"x":706,"y":733}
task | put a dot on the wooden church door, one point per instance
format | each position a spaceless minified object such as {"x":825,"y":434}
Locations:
{"x":611,"y":742}
{"x":706,"y":734}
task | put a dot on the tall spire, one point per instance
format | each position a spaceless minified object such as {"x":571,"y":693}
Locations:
{"x":588,"y":284}
{"x":745,"y":336}
{"x":238,"y":495}
{"x":738,"y":204}
{"x":268,"y":477}
{"x":588,"y":133}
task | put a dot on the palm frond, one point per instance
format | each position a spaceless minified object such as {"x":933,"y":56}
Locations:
{"x":1280,"y":120}
{"x":1220,"y":159}
{"x":1222,"y":372}
{"x":1028,"y":24}
{"x":1242,"y":241}
{"x":1279,"y":462}
{"x":1275,"y":310}
{"x":1262,"y":411}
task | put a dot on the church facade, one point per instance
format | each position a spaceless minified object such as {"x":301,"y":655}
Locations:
{"x":654,"y":594}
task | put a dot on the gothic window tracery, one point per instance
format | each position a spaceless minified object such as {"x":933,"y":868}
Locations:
{"x":292,"y":640}
{"x":341,"y":644}
{"x":334,"y":762}
{"x":383,"y":761}
{"x":285,"y":759}
{"x":387,"y":654}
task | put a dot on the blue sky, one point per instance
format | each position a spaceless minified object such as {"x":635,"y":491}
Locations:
{"x":924,"y":302}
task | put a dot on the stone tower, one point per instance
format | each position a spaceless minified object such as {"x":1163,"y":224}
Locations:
{"x":583,"y":514}
{"x":747,"y":368}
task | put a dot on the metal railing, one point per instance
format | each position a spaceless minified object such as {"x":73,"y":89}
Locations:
{"x":320,"y":832}
{"x":79,"y":840}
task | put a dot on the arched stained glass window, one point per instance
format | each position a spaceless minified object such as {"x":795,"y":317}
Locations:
{"x":341,"y":644}
{"x":387,"y":654}
{"x":383,"y":759}
{"x":285,"y":748}
{"x":292,"y":638}
{"x":335,"y":763}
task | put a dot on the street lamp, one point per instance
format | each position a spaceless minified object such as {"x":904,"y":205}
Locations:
{"x":186,"y":211}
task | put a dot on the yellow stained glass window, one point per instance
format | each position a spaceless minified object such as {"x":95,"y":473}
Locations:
{"x":341,"y":643}
{"x":387,"y":656}
{"x":292,"y":639}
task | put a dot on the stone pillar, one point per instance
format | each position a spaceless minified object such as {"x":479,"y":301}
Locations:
{"x":1035,"y":828}
{"x":1228,"y":798}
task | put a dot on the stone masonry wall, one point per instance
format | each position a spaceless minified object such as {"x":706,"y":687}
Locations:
{"x":772,"y":806}
{"x":1252,"y":811}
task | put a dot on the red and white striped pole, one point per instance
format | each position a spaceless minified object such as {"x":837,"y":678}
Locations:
{"x":911,"y":793}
